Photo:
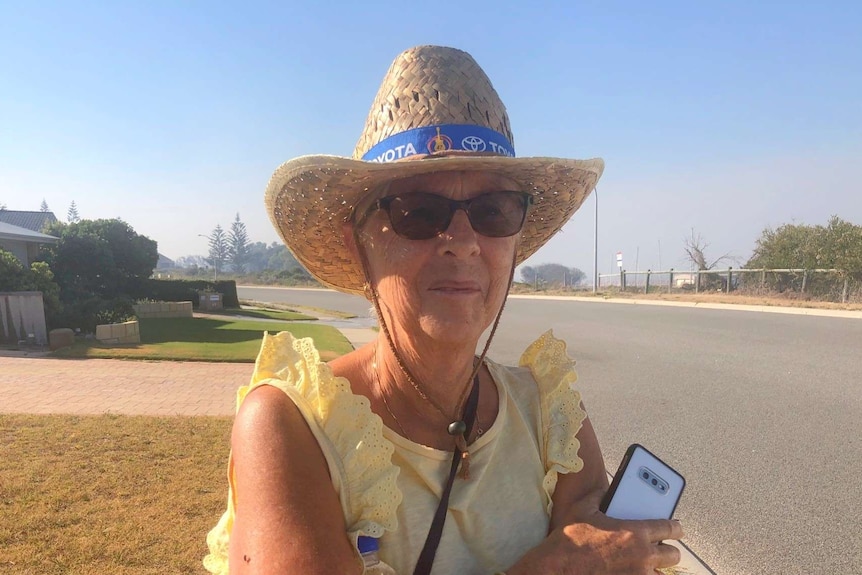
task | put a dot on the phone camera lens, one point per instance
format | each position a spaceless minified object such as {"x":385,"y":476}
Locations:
{"x":654,"y":482}
{"x":646,"y":475}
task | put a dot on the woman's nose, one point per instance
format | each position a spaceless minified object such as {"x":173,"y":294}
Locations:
{"x":460,"y":237}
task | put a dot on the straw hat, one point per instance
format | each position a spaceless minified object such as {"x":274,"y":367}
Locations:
{"x":437,"y":106}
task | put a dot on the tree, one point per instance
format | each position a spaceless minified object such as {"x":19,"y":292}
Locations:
{"x":99,"y":258}
{"x":15,"y":277}
{"x":552,"y":275}
{"x":218,"y":249}
{"x":44,"y":207}
{"x":838,"y":245}
{"x":12,"y":272}
{"x":238,"y":247}
{"x":72,"y":215}
{"x":695,"y":249}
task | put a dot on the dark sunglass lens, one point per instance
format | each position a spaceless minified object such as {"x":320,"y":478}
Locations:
{"x":498,"y":214}
{"x":419,"y":216}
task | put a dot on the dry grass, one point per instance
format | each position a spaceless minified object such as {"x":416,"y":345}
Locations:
{"x":109,"y":494}
{"x":738,"y":298}
{"x":741,"y":299}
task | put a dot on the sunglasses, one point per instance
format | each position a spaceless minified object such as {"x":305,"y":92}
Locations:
{"x":422,"y":215}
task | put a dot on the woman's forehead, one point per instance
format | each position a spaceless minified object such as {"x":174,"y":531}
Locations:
{"x":467,"y":183}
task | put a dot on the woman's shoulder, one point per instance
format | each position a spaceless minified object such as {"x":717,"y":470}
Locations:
{"x":548,"y":360}
{"x":341,"y":422}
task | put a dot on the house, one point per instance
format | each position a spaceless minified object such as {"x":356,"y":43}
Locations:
{"x":23,"y":243}
{"x":33,"y":221}
{"x":165,"y":263}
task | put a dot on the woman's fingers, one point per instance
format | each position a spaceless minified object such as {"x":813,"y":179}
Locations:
{"x":667,"y":555}
{"x":657,"y":530}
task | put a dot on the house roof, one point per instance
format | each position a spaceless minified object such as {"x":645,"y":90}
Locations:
{"x":10,"y":232}
{"x":34,"y":221}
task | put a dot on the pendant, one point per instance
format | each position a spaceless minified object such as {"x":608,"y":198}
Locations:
{"x":457,"y":428}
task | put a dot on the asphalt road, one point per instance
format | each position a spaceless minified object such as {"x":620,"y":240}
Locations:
{"x":762,"y":413}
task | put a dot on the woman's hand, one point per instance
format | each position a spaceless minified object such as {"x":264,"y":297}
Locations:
{"x":592,"y":543}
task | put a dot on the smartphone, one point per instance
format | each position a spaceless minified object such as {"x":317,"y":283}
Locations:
{"x":644,"y":487}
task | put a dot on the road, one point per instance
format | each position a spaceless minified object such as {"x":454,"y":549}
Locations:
{"x":762,"y":413}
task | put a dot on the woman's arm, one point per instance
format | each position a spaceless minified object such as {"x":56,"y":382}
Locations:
{"x":288,"y":516}
{"x":584,"y":541}
{"x":572,"y":488}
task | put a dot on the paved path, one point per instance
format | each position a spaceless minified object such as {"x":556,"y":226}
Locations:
{"x":95,"y":386}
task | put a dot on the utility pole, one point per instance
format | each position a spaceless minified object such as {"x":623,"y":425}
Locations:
{"x":596,"y":245}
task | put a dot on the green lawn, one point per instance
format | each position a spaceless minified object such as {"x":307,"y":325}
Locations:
{"x":209,"y":339}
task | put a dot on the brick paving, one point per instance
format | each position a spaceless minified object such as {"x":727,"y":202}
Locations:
{"x":40,"y":384}
{"x":94,"y":386}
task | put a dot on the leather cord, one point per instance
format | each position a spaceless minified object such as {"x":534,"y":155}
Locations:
{"x":429,"y":551}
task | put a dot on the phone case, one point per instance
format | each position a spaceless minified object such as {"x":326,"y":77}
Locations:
{"x":644,"y":487}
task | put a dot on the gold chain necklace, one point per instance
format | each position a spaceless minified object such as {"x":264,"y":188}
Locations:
{"x":479,"y":430}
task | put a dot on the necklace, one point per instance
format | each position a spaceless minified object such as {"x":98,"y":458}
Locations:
{"x":479,"y":430}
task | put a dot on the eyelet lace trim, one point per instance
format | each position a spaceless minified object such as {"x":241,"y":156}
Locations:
{"x":370,"y":496}
{"x":562,"y":412}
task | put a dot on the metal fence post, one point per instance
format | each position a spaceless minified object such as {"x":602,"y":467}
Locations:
{"x":804,"y":280}
{"x":763,"y":278}
{"x":697,"y":281}
{"x":729,"y":279}
{"x":670,"y":281}
{"x":622,"y":279}
{"x":845,"y":291}
{"x":646,"y":285}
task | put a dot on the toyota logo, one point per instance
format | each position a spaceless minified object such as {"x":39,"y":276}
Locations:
{"x":473,"y":144}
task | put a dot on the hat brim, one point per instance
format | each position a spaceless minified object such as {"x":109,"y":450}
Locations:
{"x":309,"y":198}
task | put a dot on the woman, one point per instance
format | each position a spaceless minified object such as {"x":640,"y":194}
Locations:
{"x":428,"y":220}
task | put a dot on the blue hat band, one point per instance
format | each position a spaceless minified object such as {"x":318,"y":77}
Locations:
{"x":437,"y":139}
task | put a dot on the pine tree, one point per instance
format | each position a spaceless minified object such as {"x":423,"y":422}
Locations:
{"x":72,"y":215}
{"x":44,"y":207}
{"x":238,"y":246}
{"x":218,"y":249}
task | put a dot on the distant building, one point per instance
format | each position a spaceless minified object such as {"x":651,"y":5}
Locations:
{"x":165,"y":263}
{"x":20,"y":233}
{"x":683,"y":279}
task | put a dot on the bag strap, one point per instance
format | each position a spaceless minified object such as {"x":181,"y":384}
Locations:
{"x":429,"y":551}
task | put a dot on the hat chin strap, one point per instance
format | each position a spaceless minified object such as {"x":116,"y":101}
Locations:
{"x":461,"y":441}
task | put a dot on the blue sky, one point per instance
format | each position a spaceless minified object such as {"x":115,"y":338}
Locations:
{"x":725,"y":118}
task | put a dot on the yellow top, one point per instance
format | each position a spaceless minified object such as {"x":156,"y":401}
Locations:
{"x":494,"y":517}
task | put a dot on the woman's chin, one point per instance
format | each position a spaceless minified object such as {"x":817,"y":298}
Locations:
{"x":453,"y":328}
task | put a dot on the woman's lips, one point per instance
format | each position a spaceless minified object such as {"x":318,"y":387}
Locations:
{"x":456,"y":288}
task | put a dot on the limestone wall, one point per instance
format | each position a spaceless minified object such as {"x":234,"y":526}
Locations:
{"x":163,"y":309}
{"x":118,"y":333}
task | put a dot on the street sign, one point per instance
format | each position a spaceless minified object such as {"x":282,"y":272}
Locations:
{"x":619,"y":259}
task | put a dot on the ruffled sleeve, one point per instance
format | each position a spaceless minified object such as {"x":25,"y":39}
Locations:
{"x":561,"y":410}
{"x":348,"y":432}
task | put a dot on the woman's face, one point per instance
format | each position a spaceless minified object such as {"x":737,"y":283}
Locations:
{"x":451,"y":286}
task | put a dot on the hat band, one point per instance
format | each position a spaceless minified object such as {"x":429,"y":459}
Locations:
{"x":442,"y":138}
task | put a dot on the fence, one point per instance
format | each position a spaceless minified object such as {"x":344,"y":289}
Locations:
{"x":22,"y":318}
{"x":826,"y":284}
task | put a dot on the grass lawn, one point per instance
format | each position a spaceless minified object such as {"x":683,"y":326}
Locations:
{"x":109,"y":494}
{"x":209,"y":339}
